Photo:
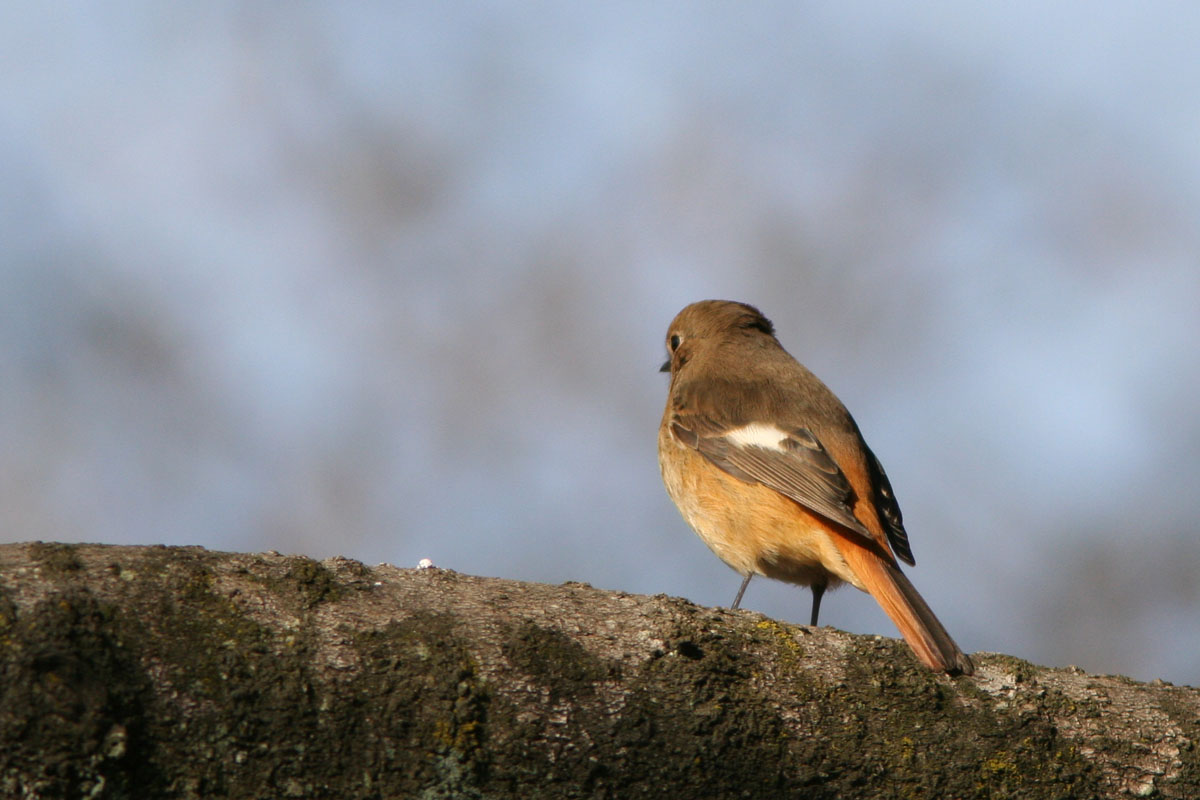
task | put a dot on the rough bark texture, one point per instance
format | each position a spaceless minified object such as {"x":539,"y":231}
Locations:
{"x":178,"y":672}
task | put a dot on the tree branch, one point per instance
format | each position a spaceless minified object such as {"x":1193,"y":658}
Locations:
{"x":179,"y":673}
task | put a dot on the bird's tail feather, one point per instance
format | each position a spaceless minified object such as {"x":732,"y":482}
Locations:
{"x":907,"y":609}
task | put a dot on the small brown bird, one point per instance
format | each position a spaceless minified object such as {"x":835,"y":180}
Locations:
{"x":770,"y":469}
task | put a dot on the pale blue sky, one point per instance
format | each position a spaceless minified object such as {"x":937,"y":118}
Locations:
{"x":391,"y":283}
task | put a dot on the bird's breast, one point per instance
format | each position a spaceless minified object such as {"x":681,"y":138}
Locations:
{"x":752,"y":528}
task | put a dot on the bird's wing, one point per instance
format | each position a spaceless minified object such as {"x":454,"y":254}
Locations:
{"x":791,"y":461}
{"x":889,"y":510}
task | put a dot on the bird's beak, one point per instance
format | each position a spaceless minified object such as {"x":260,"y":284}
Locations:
{"x":666,"y":367}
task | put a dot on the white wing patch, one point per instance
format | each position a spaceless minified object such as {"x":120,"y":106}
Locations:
{"x":758,"y":434}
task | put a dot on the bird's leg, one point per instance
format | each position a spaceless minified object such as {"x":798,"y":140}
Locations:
{"x":737,"y":601}
{"x":818,"y":589}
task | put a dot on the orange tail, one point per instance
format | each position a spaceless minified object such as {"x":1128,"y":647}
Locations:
{"x":907,"y":609}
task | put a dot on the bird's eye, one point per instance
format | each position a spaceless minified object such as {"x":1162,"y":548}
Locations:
{"x":675,"y":340}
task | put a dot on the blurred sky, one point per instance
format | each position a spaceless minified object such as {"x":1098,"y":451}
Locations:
{"x":391,"y":281}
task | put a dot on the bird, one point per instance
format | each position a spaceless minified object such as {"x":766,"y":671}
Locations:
{"x":768,"y":467}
